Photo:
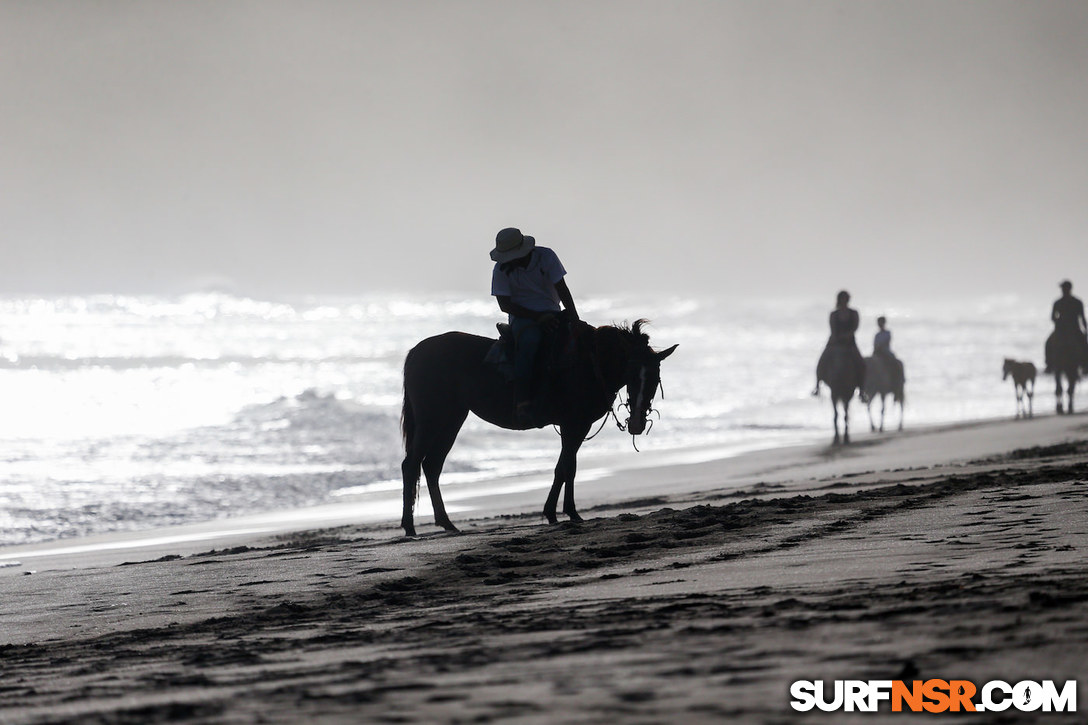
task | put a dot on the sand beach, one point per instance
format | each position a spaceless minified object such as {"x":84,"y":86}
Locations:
{"x":697,"y":590}
{"x":226,"y":226}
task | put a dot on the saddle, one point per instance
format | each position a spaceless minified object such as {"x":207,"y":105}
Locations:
{"x":558,"y":351}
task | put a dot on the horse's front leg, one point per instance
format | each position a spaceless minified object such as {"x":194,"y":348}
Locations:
{"x":846,"y":421}
{"x":835,"y":413}
{"x":565,"y":470}
{"x":575,"y":439}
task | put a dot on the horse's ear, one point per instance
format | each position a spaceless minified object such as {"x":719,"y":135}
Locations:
{"x":665,"y":353}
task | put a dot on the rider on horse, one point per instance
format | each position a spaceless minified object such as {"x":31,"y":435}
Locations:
{"x":1070,"y":328}
{"x":844,"y":323}
{"x":528,"y":283}
{"x":882,"y":348}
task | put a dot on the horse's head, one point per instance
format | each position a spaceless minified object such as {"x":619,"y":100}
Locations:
{"x":642,"y":376}
{"x":1007,"y":369}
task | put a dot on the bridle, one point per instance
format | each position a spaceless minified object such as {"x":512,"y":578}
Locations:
{"x":613,"y":411}
{"x":641,"y":364}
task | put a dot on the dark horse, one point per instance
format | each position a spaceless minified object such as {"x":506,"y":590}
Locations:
{"x":881,"y":380}
{"x":841,"y":375}
{"x":1066,"y":360}
{"x":446,"y":377}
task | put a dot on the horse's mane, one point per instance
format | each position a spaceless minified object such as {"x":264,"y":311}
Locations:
{"x":635,"y":330}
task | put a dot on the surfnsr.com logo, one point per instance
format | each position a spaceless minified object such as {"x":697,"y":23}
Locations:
{"x":933,"y":696}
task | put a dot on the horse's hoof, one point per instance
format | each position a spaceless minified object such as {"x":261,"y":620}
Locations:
{"x":574,"y":516}
{"x":409,"y":531}
{"x":552,"y":518}
{"x":447,"y":525}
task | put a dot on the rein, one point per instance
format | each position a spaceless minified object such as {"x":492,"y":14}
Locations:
{"x":598,"y":375}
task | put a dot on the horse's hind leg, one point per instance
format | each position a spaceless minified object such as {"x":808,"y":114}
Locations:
{"x":1058,"y":392}
{"x":409,"y":469}
{"x":432,"y":469}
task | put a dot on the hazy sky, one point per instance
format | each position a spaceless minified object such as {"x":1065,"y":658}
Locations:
{"x":892,"y":148}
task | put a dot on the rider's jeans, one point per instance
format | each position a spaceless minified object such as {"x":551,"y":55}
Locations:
{"x":527,"y":337}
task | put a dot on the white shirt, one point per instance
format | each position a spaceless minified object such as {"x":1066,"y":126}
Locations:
{"x":532,"y":286}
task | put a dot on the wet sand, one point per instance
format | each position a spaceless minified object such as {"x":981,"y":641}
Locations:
{"x":694,"y":592}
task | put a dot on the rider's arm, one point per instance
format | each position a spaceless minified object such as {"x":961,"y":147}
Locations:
{"x":512,"y":308}
{"x":566,"y":298}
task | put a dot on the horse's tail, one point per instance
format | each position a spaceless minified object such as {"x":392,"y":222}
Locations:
{"x":407,"y":416}
{"x":407,"y":423}
{"x":411,"y":466}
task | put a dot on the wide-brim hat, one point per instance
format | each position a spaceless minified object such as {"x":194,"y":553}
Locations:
{"x":511,"y":244}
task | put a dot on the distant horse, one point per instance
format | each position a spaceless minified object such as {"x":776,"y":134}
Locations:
{"x":880,"y":380}
{"x":1023,"y":382}
{"x":841,"y":375}
{"x":1066,"y":360}
{"x":446,"y":377}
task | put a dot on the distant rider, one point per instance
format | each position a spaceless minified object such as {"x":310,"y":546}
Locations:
{"x":528,"y":283}
{"x":882,"y":348}
{"x":1070,"y":327}
{"x":844,"y":323}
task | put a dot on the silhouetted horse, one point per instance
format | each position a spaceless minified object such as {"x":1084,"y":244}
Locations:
{"x":1066,"y":360}
{"x":1023,"y":382}
{"x":881,"y":380}
{"x":841,"y":375}
{"x":445,"y":378}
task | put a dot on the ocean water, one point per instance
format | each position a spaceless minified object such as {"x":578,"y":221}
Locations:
{"x":126,"y":413}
